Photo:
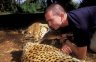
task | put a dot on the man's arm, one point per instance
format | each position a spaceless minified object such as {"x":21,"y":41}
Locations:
{"x":80,"y":52}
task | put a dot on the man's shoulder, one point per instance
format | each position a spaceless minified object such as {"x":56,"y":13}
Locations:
{"x":83,"y":13}
{"x":88,"y":8}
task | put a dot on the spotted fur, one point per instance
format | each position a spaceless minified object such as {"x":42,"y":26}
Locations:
{"x":34,"y":52}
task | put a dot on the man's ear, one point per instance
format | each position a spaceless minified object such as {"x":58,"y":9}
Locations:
{"x":65,"y":16}
{"x":62,"y":15}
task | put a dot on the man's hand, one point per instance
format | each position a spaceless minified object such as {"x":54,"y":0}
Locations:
{"x":66,"y":49}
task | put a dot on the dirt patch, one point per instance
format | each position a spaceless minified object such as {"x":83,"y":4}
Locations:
{"x":10,"y":46}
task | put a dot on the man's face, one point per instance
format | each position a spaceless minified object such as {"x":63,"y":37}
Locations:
{"x":54,"y":21}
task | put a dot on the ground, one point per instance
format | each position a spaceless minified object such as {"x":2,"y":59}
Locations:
{"x":11,"y":47}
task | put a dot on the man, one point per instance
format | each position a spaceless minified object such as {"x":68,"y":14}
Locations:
{"x":81,"y":21}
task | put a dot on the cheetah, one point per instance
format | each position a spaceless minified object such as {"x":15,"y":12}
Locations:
{"x":35,"y":52}
{"x":36,"y":31}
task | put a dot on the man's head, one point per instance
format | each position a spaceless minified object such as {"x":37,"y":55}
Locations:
{"x":56,"y":16}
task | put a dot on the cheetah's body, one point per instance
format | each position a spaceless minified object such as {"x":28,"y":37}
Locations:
{"x":33,"y":52}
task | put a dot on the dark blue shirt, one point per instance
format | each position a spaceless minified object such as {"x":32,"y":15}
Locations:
{"x":83,"y":23}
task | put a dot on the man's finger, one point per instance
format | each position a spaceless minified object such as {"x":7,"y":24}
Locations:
{"x":66,"y":49}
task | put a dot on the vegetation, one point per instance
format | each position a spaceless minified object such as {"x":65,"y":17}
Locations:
{"x":33,"y":7}
{"x":29,"y":6}
{"x":38,"y":6}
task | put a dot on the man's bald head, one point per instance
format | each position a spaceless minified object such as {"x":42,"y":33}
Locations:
{"x":56,"y":9}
